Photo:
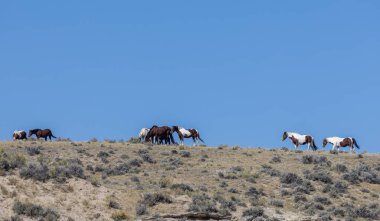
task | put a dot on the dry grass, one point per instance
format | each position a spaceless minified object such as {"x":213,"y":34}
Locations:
{"x":123,"y":181}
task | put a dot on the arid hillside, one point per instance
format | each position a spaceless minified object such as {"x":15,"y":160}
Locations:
{"x":123,"y":181}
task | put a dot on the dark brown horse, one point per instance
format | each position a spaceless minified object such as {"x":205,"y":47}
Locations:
{"x":19,"y":135}
{"x":160,"y":134}
{"x":42,"y":133}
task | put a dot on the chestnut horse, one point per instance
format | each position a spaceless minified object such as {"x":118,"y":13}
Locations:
{"x":188,"y":133}
{"x":19,"y":135}
{"x":338,"y":142}
{"x":160,"y":134}
{"x":299,"y":139}
{"x":42,"y":133}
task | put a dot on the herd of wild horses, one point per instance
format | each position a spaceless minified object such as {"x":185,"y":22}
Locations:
{"x":164,"y":135}
{"x":159,"y":135}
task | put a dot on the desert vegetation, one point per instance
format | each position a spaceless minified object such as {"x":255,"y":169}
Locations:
{"x":117,"y":180}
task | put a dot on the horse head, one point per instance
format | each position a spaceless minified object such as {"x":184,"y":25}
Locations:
{"x":175,"y":129}
{"x":325,"y":142}
{"x":31,"y":132}
{"x":14,"y":135}
{"x":284,"y":136}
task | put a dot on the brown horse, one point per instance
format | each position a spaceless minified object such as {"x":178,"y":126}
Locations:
{"x":188,"y":133}
{"x":19,"y":135}
{"x":160,"y":134}
{"x":42,"y":133}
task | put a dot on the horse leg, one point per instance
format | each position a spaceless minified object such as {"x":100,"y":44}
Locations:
{"x":296,"y":145}
{"x":45,"y":138}
{"x":171,"y":139}
{"x":194,"y":142}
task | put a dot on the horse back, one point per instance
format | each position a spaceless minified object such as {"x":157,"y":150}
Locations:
{"x":346,"y":142}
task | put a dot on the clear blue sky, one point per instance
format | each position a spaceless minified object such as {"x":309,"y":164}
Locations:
{"x":241,"y":72}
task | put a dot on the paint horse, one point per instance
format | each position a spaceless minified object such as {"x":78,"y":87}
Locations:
{"x":339,"y":142}
{"x":299,"y":139}
{"x":160,"y":134}
{"x":19,"y":135}
{"x":143,"y":133}
{"x":188,"y":133}
{"x":46,"y":133}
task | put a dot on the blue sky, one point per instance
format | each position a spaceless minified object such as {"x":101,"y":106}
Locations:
{"x":241,"y":72}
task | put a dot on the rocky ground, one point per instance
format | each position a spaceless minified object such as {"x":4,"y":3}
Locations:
{"x":67,"y":180}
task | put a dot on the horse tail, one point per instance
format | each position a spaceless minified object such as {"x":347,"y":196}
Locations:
{"x":313,"y":144}
{"x":199,"y":137}
{"x":355,"y":143}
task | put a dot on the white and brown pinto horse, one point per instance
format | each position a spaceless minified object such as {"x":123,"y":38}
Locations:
{"x":188,"y":133}
{"x":143,"y":133}
{"x":339,"y":142}
{"x":19,"y":135}
{"x":299,"y":139}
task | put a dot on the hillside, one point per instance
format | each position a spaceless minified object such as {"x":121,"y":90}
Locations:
{"x":123,"y":181}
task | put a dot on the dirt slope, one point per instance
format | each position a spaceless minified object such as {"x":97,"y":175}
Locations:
{"x":123,"y":181}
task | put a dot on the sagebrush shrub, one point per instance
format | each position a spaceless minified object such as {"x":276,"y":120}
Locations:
{"x":341,"y":168}
{"x":321,"y":176}
{"x":253,"y":212}
{"x":203,"y":203}
{"x":35,"y":172}
{"x":183,"y":187}
{"x":35,"y":211}
{"x":275,"y":159}
{"x":290,"y":178}
{"x":185,"y":154}
{"x":32,"y":151}
{"x":152,"y":199}
{"x":141,"y":209}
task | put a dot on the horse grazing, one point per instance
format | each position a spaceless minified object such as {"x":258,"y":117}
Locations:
{"x":19,"y":135}
{"x":339,"y":142}
{"x":42,"y":133}
{"x":160,"y":134}
{"x":143,"y":133}
{"x":299,"y":139}
{"x":188,"y":133}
